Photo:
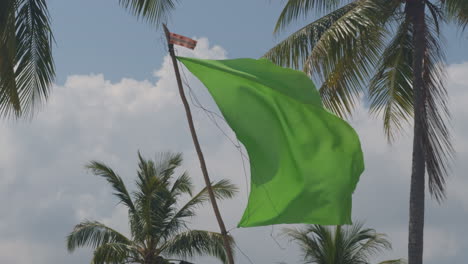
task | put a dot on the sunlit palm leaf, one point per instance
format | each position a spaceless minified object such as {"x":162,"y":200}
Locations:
{"x":390,"y":90}
{"x":197,"y":242}
{"x":345,"y":74}
{"x":301,"y":8}
{"x":153,"y":11}
{"x":341,"y":49}
{"x":294,"y":50}
{"x":348,"y":52}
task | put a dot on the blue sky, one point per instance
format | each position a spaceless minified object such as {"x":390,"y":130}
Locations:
{"x":101,"y":37}
{"x":115,"y":94}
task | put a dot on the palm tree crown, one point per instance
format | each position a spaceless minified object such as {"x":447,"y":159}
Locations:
{"x":352,"y":245}
{"x":393,"y":48}
{"x":158,"y":226}
{"x":368,"y":43}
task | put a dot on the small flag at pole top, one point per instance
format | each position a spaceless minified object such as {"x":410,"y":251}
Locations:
{"x":182,"y":41}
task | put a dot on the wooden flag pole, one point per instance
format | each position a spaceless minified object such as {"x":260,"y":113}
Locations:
{"x":188,"y":113}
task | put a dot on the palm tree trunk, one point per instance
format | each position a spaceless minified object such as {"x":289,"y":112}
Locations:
{"x":415,"y":12}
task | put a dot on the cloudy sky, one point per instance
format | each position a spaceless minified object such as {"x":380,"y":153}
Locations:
{"x":115,"y":94}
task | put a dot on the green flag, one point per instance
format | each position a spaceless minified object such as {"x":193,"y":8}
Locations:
{"x":305,"y":162}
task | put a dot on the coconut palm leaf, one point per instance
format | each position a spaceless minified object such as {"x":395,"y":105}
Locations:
{"x":167,"y":163}
{"x":153,"y":11}
{"x":437,"y":140}
{"x":197,"y":242}
{"x":222,"y":190}
{"x":94,"y":234}
{"x":9,"y":96}
{"x":294,"y":50}
{"x":120,"y":191}
{"x":183,"y":185}
{"x":456,"y":11}
{"x":341,"y":49}
{"x":390,"y":89}
{"x":116,"y":253}
{"x":26,"y":64}
{"x":301,"y":8}
{"x":354,"y":244}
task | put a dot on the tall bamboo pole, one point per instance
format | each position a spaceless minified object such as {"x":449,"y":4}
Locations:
{"x":188,"y":113}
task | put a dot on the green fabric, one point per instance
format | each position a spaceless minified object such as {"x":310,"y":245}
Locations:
{"x":305,"y":162}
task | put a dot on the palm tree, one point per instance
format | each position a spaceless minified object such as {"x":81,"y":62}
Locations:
{"x":352,"y":245}
{"x":26,"y":63}
{"x":393,"y":48}
{"x":158,"y":226}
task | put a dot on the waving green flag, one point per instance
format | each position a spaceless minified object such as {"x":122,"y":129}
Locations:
{"x":305,"y":162}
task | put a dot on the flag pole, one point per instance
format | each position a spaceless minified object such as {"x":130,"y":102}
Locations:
{"x":188,"y":113}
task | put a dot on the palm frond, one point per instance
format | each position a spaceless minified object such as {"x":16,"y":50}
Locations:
{"x":437,"y":141}
{"x":294,"y":50}
{"x":153,"y":11}
{"x":364,"y":243}
{"x":223,"y":189}
{"x":148,"y":179}
{"x":341,"y":49}
{"x":9,"y":94}
{"x":437,"y":14}
{"x":347,"y":53}
{"x":153,"y":198}
{"x":312,"y":250}
{"x":26,"y":65}
{"x":116,"y":253}
{"x":354,"y":244}
{"x":167,"y":163}
{"x":120,"y":191}
{"x":93,"y":234}
{"x":35,"y":66}
{"x":390,"y":89}
{"x":295,"y":9}
{"x":197,"y":242}
{"x":344,"y":76}
{"x":182,"y":185}
{"x":457,"y":11}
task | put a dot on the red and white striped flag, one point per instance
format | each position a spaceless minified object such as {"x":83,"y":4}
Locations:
{"x":182,"y":41}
